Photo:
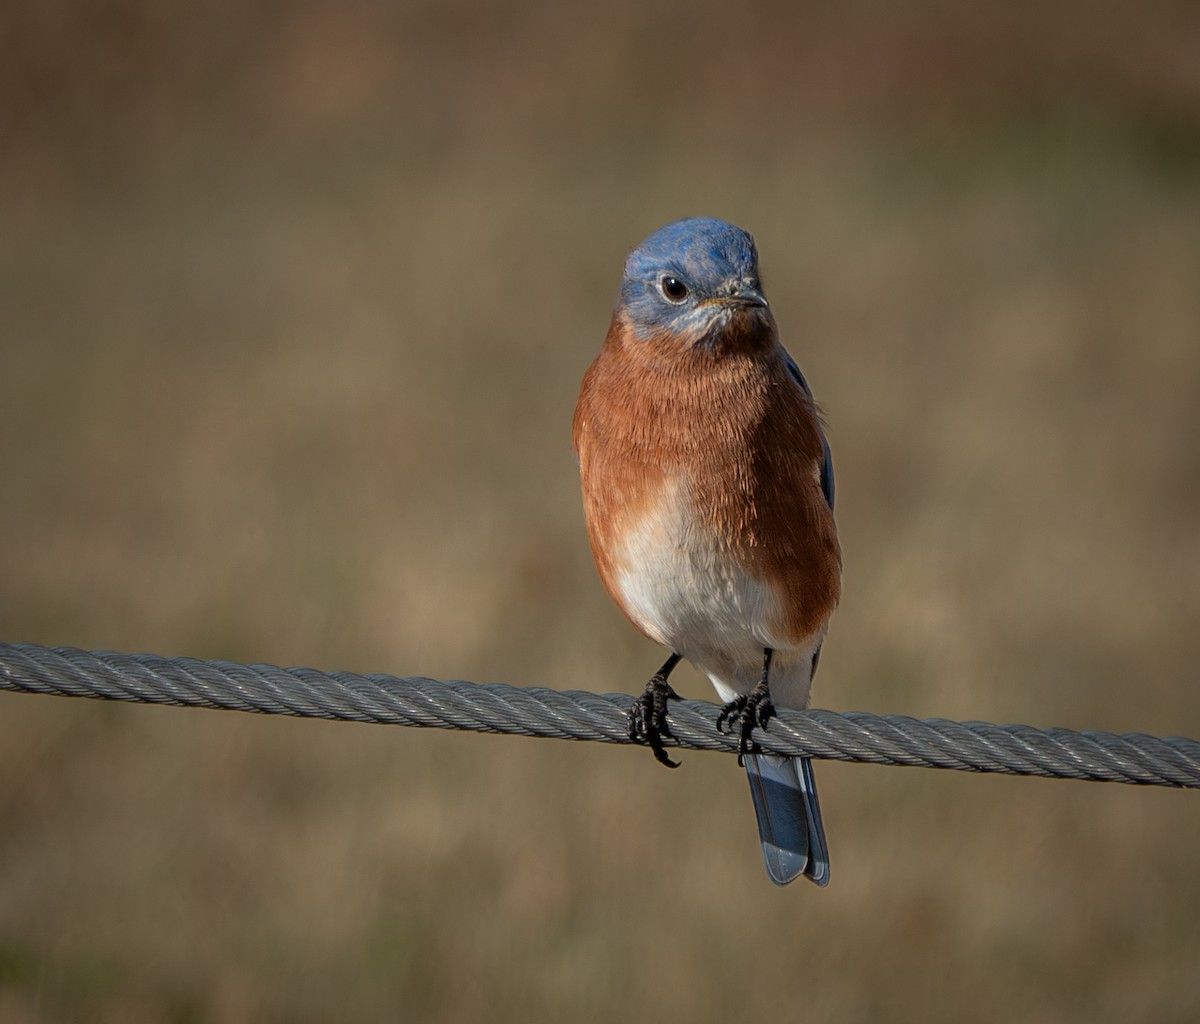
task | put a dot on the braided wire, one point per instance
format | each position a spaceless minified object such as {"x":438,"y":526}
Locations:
{"x":571,"y":714}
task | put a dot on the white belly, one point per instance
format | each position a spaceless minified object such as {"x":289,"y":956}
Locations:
{"x":687,"y":590}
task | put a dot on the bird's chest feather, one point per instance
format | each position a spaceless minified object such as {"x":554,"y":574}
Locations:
{"x":703,"y":504}
{"x":684,"y":584}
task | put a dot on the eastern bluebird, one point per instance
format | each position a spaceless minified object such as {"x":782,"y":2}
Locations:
{"x":708,"y":494}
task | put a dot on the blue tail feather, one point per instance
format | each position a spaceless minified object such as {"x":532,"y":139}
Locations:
{"x":789,"y":818}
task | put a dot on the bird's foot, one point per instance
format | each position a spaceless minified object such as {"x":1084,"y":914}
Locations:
{"x":648,"y":716}
{"x":745,"y":711}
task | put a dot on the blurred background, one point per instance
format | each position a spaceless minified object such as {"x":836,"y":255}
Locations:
{"x":294,"y":303}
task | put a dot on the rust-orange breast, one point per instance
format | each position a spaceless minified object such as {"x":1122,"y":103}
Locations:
{"x":735,"y":432}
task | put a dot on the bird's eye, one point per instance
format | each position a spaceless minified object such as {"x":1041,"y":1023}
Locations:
{"x":673,"y":288}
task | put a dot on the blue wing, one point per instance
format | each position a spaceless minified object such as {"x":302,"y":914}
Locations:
{"x":827,"y":464}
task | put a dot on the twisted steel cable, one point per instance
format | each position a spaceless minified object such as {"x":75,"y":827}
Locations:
{"x":571,"y":714}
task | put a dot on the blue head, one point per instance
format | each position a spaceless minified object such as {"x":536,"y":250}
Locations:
{"x":690,"y":279}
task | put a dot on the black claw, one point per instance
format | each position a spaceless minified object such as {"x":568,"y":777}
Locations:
{"x":765,"y":709}
{"x":731,"y":712}
{"x":648,"y":716}
{"x":747,"y":710}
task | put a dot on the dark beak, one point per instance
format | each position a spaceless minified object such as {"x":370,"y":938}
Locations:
{"x":747,"y":296}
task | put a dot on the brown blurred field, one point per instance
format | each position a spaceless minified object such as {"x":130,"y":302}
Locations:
{"x":294,"y":303}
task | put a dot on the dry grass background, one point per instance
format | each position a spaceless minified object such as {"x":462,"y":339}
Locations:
{"x":294,"y":302}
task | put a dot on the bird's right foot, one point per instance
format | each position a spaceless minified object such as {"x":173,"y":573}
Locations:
{"x":648,"y":716}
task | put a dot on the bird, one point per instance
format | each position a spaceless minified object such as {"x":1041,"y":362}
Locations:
{"x":708,"y":492}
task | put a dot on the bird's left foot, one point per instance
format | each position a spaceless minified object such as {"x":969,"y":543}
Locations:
{"x":746,"y":711}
